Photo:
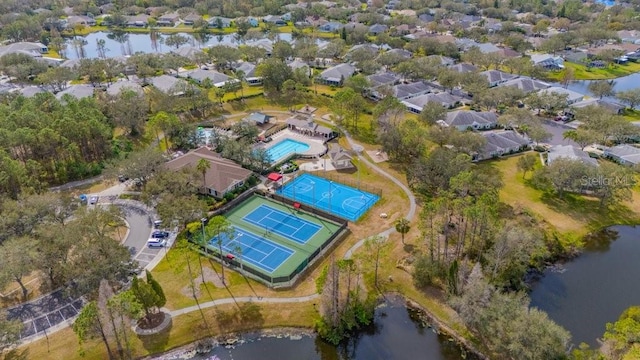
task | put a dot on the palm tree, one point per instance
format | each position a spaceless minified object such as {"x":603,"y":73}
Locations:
{"x":219,"y":225}
{"x":241,"y":76}
{"x":403,"y":227}
{"x":203,"y":166}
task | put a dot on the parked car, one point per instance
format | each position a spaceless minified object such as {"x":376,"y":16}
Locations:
{"x":93,"y":200}
{"x":153,"y":242}
{"x":160,"y":234}
{"x":157,"y":224}
{"x":563,"y":118}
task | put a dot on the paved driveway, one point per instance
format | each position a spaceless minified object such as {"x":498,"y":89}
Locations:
{"x":557,"y":131}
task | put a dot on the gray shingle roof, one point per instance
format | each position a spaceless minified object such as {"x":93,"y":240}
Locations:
{"x":384,"y":78}
{"x":469,"y":118}
{"x":570,"y":152}
{"x":406,"y":91}
{"x":526,"y":84}
{"x":625,"y":152}
{"x":338,"y":72}
{"x":503,"y":141}
{"x":167,"y":84}
{"x":496,"y":76}
{"x":79,"y":91}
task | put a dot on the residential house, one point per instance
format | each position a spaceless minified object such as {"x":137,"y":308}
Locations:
{"x":187,"y":51}
{"x":406,"y":91}
{"x":376,"y":29}
{"x":385,"y":78}
{"x":170,"y":19}
{"x":446,"y":100}
{"x":126,"y":85}
{"x":219,"y":22}
{"x":222,"y":175}
{"x":169,"y":85}
{"x":327,"y":4}
{"x":78,"y":91}
{"x":443,"y":60}
{"x":570,"y":152}
{"x":304,"y":124}
{"x":191,"y":19}
{"x":200,"y":76}
{"x":427,"y":18}
{"x":624,"y":154}
{"x":254,"y":22}
{"x":140,"y":20}
{"x":547,"y":61}
{"x":463,"y":68}
{"x":286,"y":16}
{"x":258,"y":118}
{"x":612,"y":107}
{"x":31,"y":91}
{"x":82,"y":20}
{"x":476,"y":120}
{"x":33,"y":49}
{"x":501,"y":143}
{"x":405,"y":54}
{"x":299,"y":64}
{"x":249,"y":71}
{"x":264,"y":44}
{"x":526,"y":84}
{"x":629,"y":36}
{"x":331,"y":26}
{"x":274,"y":19}
{"x":340,"y":158}
{"x":371,"y":49}
{"x":336,"y":75}
{"x":572,"y":96}
{"x":497,"y":77}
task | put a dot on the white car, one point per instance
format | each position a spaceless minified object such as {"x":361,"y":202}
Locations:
{"x":93,"y":200}
{"x":155,"y":242}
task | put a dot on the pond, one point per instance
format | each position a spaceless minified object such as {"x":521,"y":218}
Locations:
{"x":594,"y":288}
{"x":620,"y":84}
{"x":397,"y":334}
{"x":123,"y":44}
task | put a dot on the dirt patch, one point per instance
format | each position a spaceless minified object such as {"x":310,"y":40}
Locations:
{"x":377,"y":156}
{"x":210,"y":276}
{"x":151,"y":321}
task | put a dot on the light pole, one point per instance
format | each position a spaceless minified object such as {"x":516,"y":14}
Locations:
{"x":314,"y":193}
{"x":358,"y":149}
{"x":330,"y":183}
{"x":203,"y":221}
{"x":238,"y":250}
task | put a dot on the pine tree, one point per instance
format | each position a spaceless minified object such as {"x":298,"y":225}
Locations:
{"x":162,"y":299}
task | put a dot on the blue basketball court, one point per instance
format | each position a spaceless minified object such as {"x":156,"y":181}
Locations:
{"x":255,"y":250}
{"x":288,"y":226}
{"x":342,"y":200}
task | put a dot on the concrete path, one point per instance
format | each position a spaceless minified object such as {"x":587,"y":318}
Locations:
{"x":256,"y":299}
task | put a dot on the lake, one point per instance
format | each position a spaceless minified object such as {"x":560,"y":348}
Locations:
{"x":396,"y":335}
{"x":594,"y":288}
{"x":130,"y":43}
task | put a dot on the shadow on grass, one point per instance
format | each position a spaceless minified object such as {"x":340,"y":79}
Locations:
{"x":588,"y":210}
{"x":156,"y":343}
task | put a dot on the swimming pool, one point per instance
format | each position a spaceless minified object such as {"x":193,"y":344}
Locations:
{"x":285,"y":148}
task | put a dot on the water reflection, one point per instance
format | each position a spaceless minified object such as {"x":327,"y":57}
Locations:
{"x":595,"y":288}
{"x":395,"y":334}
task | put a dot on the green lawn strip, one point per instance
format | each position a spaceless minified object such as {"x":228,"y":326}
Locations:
{"x":581,"y":72}
{"x":571,"y":217}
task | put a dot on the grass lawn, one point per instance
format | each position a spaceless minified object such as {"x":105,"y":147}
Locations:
{"x":573,"y":216}
{"x":581,"y":72}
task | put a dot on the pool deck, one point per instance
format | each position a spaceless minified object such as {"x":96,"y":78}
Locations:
{"x":316,"y":146}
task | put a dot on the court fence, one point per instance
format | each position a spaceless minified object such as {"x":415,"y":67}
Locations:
{"x":281,"y":282}
{"x":343,"y":179}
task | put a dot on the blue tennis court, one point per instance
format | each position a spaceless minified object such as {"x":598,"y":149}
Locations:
{"x":342,"y":200}
{"x":255,"y":250}
{"x":281,"y":223}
